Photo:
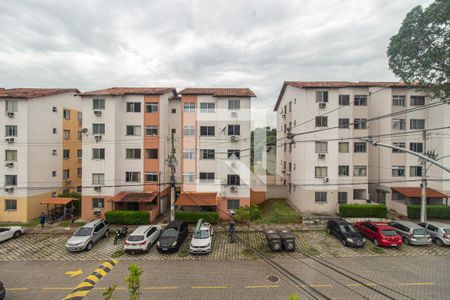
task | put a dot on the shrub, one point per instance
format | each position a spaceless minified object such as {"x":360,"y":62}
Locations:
{"x":246,"y":214}
{"x":193,"y":216}
{"x":127,"y":217}
{"x":433,"y":211}
{"x":362,"y":211}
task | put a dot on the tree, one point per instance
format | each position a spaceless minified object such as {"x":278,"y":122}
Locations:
{"x":420,"y":51}
{"x":107,"y":295}
{"x":133,"y":281}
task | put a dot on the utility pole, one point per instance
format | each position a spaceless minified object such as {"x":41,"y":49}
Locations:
{"x":423,"y":202}
{"x":172,"y":163}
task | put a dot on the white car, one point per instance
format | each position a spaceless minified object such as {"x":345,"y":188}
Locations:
{"x":142,"y":239}
{"x":202,"y":238}
{"x":7,"y":233}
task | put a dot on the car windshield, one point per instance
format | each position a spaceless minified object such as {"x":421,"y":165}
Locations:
{"x":201,"y":234}
{"x":135,"y":238}
{"x":447,"y":230}
{"x":389,"y":232}
{"x":84,"y":231}
{"x":169,"y":233}
{"x":420,"y":232}
{"x":347,"y":228}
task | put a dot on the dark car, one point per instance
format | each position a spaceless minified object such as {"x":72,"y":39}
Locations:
{"x":346,"y":233}
{"x":172,"y":237}
{"x":2,"y":291}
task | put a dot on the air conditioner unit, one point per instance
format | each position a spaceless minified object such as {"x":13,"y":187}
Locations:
{"x":9,"y":139}
{"x":322,"y":104}
{"x":9,"y":189}
{"x":10,"y":114}
{"x":79,"y":158}
{"x":98,"y":113}
{"x":54,"y":152}
{"x":283,"y":116}
{"x":234,"y":114}
{"x":9,"y":164}
{"x":321,"y":155}
{"x":97,"y":188}
{"x":97,"y":137}
{"x":325,"y":179}
{"x":67,"y":181}
{"x":234,"y":138}
{"x":233,"y":189}
{"x":97,"y":212}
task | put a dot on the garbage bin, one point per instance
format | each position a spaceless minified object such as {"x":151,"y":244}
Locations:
{"x":273,"y":239}
{"x":287,"y":239}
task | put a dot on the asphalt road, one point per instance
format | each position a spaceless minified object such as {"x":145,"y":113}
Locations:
{"x":396,"y":277}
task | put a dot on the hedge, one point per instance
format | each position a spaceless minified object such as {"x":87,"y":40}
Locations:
{"x":433,"y":211}
{"x":362,"y":211}
{"x":127,"y":217}
{"x":193,"y":216}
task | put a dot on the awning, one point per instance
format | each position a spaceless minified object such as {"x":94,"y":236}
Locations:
{"x":416,"y":192}
{"x":133,"y":197}
{"x":197,"y":199}
{"x":58,"y":200}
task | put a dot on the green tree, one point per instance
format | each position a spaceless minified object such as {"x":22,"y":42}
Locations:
{"x":420,"y":51}
{"x":133,"y":281}
{"x":293,"y":296}
{"x":107,"y":295}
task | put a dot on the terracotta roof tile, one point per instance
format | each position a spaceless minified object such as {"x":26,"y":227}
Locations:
{"x":197,"y":199}
{"x":416,"y":192}
{"x":219,"y":92}
{"x":58,"y":200}
{"x":133,"y":197}
{"x":121,"y":91}
{"x":29,"y":93}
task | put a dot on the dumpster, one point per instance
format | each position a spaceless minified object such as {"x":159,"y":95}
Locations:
{"x":287,"y":239}
{"x":273,"y":239}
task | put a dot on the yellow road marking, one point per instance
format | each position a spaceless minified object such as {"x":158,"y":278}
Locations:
{"x":320,"y":285}
{"x":93,"y":278}
{"x":359,"y":284}
{"x":74,"y":273}
{"x":261,"y":286}
{"x":417,"y":283}
{"x":108,"y":265}
{"x":16,"y":289}
{"x":83,"y":284}
{"x":101,"y":272}
{"x":161,"y":288}
{"x":209,"y":287}
{"x":78,"y":294}
{"x":57,"y":288}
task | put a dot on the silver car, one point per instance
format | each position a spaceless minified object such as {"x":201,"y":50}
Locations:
{"x":85,"y":237}
{"x":412,"y":234}
{"x":440,"y":232}
{"x":142,"y":239}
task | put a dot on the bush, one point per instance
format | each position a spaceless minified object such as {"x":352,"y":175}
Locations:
{"x":127,"y":217}
{"x":246,"y":214}
{"x":362,"y":211}
{"x":193,"y":216}
{"x":433,"y":211}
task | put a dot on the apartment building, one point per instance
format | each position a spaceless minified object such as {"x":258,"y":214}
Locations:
{"x":41,"y":148}
{"x":126,"y":140}
{"x":215,"y":145}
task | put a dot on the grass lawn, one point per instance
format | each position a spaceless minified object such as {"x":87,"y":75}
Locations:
{"x":277,"y":211}
{"x":29,"y":224}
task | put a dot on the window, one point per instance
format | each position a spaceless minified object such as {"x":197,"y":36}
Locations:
{"x":344,"y":171}
{"x":207,"y":107}
{"x":174,"y":130}
{"x":151,"y":130}
{"x":233,"y":180}
{"x":359,"y":171}
{"x":151,"y":153}
{"x":321,"y":96}
{"x":234,"y":129}
{"x":188,"y":177}
{"x":66,"y":134}
{"x":344,"y":100}
{"x":10,"y":106}
{"x":98,"y":153}
{"x":359,"y":194}
{"x":10,"y":180}
{"x":417,"y":124}
{"x":206,"y":176}
{"x":207,"y":130}
{"x":399,"y":124}
{"x":134,"y":130}
{"x":152,"y":107}
{"x":189,"y":130}
{"x":98,"y":128}
{"x":342,"y":197}
{"x":79,"y":135}
{"x":321,"y":121}
{"x":234,"y":154}
{"x":415,"y":171}
{"x":66,"y":114}
{"x":290,"y":106}
{"x":174,"y":110}
{"x":133,"y":106}
{"x":398,"y":171}
{"x":207,"y":154}
{"x":360,"y":147}
{"x":233,"y":203}
{"x":320,"y":197}
{"x":66,"y":174}
{"x":344,"y":147}
{"x":10,"y":204}
{"x":54,"y":152}
{"x":79,"y":116}
{"x":55,"y":130}
{"x":417,"y":100}
{"x":151,"y":177}
{"x":10,"y":155}
{"x":131,"y":176}
{"x":416,"y":147}
{"x":188,"y":154}
{"x":398,"y":100}
{"x":321,"y":172}
{"x":344,"y":123}
{"x":133,"y":153}
{"x":321,"y":147}
{"x":234,"y":104}
{"x":398,"y":144}
{"x":66,"y":153}
{"x":360,"y":100}
{"x":98,"y":104}
{"x":79,"y":153}
{"x":360,"y":124}
{"x":98,"y":179}
{"x":189,"y":107}
{"x":98,"y":203}
{"x":11,"y":130}
{"x":79,"y":172}
{"x":79,"y":189}
{"x":53,"y":173}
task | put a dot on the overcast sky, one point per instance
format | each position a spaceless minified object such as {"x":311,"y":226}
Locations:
{"x":257,"y":44}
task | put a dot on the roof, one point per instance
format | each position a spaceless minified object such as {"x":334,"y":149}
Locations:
{"x":122,"y":91}
{"x":416,"y":192}
{"x":133,"y":197}
{"x":58,"y":200}
{"x":197,"y":199}
{"x":219,"y":92}
{"x":28,"y":93}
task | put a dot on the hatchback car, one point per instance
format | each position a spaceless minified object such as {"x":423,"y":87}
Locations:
{"x":85,"y":237}
{"x":412,"y":234}
{"x":142,"y":239}
{"x":381,"y":234}
{"x":202,"y":239}
{"x":172,"y":237}
{"x":440,"y":232}
{"x":10,"y":232}
{"x":2,"y":291}
{"x":345,"y":232}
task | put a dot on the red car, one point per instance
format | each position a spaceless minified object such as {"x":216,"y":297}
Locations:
{"x":381,"y":234}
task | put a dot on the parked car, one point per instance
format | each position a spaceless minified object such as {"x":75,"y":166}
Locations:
{"x":172,"y":237}
{"x":412,"y":234}
{"x":440,"y":232}
{"x":346,"y":233}
{"x":381,"y":234}
{"x":10,"y":232}
{"x":85,"y":237}
{"x":273,"y":239}
{"x":2,"y":291}
{"x":201,"y":238}
{"x":287,"y":239}
{"x":142,"y":239}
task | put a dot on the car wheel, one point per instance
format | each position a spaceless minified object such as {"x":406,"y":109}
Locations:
{"x":328,"y":230}
{"x":17,"y":234}
{"x":439,"y":242}
{"x":375,"y":242}
{"x":406,"y":241}
{"x":106,"y":233}
{"x":89,"y":246}
{"x":147,"y":250}
{"x":344,"y":242}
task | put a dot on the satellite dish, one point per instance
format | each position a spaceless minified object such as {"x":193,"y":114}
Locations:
{"x":84,"y":130}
